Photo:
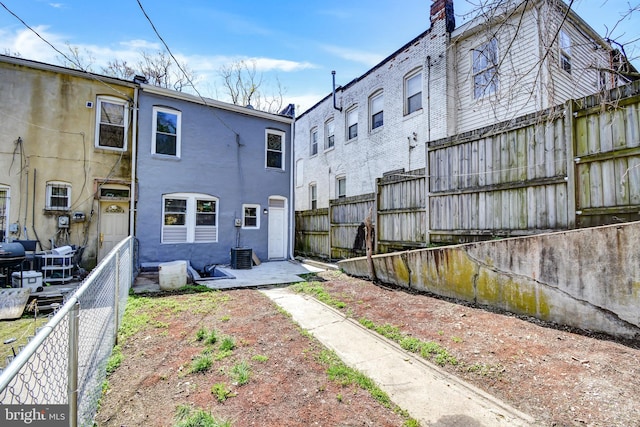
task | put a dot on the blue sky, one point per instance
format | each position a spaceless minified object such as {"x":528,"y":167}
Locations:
{"x":297,"y":42}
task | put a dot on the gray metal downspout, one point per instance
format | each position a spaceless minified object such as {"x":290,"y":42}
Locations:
{"x":134,"y":150}
{"x":292,"y":209}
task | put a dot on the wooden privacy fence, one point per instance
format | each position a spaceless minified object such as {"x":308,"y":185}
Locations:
{"x":576,"y":165}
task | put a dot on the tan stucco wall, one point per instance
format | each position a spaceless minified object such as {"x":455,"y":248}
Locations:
{"x":47,"y":109}
{"x":588,"y":278}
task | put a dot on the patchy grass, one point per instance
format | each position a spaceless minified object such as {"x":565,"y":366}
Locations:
{"x":19,"y":330}
{"x":318,"y":291}
{"x":187,"y":416}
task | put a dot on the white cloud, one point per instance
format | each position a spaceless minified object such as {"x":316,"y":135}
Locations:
{"x":359,"y":56}
{"x":57,"y":5}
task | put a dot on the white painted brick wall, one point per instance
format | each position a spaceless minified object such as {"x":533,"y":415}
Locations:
{"x":384,"y":149}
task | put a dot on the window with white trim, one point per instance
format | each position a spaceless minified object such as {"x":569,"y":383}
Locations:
{"x":313,"y":196}
{"x":189,"y":218}
{"x":274,"y":149}
{"x":58,"y":196}
{"x":250,"y":216}
{"x":314,"y":141}
{"x":112,"y":122}
{"x":413,"y":92}
{"x":166,"y":132}
{"x":565,"y":51}
{"x":376,"y":110}
{"x":485,"y":63}
{"x":352,"y":123}
{"x":341,"y":187}
{"x":329,"y":134}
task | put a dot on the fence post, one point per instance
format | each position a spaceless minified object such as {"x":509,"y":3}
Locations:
{"x":72,"y":368}
{"x":571,"y":164}
{"x":116,"y":303}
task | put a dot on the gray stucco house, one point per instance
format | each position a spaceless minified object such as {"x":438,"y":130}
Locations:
{"x":211,"y":177}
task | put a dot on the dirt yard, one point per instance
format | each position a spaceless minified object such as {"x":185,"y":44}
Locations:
{"x":560,"y":377}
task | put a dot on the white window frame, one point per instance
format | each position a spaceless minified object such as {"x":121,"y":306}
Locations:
{"x":124,"y":126}
{"x":313,"y":141}
{"x":351,"y":120}
{"x":412,"y":90}
{"x":313,"y":196}
{"x":484,"y":67}
{"x":190,"y":232}
{"x":329,"y":134}
{"x":341,"y":190}
{"x":376,"y":106}
{"x":268,"y":150}
{"x":245,"y":217}
{"x":564,"y":44}
{"x":51,"y":185}
{"x":154,"y":131}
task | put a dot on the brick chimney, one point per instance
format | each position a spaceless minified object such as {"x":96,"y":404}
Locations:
{"x":443,"y":9}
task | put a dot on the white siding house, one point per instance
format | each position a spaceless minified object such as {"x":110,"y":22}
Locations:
{"x":525,"y":58}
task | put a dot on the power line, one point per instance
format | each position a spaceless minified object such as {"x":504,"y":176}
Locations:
{"x":155,"y":30}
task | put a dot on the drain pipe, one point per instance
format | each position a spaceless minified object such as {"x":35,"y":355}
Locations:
{"x":333,"y":74}
{"x":292,"y":206}
{"x":134,"y":149}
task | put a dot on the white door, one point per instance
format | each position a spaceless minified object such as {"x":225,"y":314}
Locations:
{"x":114,"y":226}
{"x":277,"y":228}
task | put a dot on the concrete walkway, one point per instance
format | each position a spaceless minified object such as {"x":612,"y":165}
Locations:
{"x":429,"y":394}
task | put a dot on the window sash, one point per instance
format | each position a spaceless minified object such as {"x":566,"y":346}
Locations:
{"x":377,"y":116}
{"x":250,"y":217}
{"x":274,"y":150}
{"x":112,"y":124}
{"x":314,"y":142}
{"x":189,"y":219}
{"x":313,"y":194}
{"x":330,"y":131}
{"x":166,"y":132}
{"x":342,"y":187}
{"x":352,"y":124}
{"x":485,"y":77}
{"x":58,"y":196}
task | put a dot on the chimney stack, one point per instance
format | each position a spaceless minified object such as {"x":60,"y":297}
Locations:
{"x":443,"y":9}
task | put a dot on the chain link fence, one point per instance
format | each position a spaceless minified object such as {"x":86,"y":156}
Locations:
{"x":65,"y":362}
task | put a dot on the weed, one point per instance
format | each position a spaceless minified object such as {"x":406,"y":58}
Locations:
{"x":318,"y":291}
{"x":339,"y":397}
{"x":187,"y":417}
{"x":456,"y":339}
{"x":114,"y":360}
{"x":219,"y":355}
{"x":241,"y":372}
{"x":411,"y":422}
{"x":227,"y":344}
{"x":201,"y":334}
{"x":426,"y":349}
{"x":225,"y":318}
{"x":221,"y":392}
{"x":212,"y":338}
{"x":260,"y":358}
{"x":202,"y":363}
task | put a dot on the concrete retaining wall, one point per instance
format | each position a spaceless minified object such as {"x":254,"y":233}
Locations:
{"x":587,"y":278}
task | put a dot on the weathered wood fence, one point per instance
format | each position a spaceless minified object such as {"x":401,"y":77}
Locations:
{"x":576,"y":165}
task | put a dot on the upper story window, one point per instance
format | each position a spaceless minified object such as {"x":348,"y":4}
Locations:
{"x":352,"y":123}
{"x":413,"y":92}
{"x":314,"y":141}
{"x":329,"y":132}
{"x":485,"y":76}
{"x":250,"y":216}
{"x":313,"y":196}
{"x":112,"y":121}
{"x":274,"y":149}
{"x":376,"y":110}
{"x":341,"y":187}
{"x":58,"y":196}
{"x":565,"y":51}
{"x":189,"y":218}
{"x":166,"y":132}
